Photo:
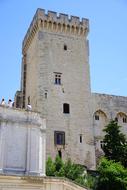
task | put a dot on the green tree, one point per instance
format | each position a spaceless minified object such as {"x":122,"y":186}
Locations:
{"x":50,"y":167}
{"x":112,"y":175}
{"x":115,"y":143}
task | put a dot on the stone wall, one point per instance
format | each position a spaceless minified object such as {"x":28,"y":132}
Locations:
{"x":36,"y":183}
{"x":105,"y":108}
{"x":22,"y":142}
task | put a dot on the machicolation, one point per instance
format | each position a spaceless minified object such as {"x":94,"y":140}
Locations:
{"x":53,"y":22}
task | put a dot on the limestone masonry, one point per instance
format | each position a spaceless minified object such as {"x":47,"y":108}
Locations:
{"x":22,"y":142}
{"x":55,"y":80}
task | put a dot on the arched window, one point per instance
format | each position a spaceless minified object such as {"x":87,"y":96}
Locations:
{"x":122,"y":117}
{"x":96,"y":117}
{"x":66,"y":108}
{"x":99,"y":114}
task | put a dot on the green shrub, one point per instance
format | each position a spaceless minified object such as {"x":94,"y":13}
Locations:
{"x":112,"y":175}
{"x":69,"y":170}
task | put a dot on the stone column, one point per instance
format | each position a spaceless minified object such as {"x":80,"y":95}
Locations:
{"x":36,"y":152}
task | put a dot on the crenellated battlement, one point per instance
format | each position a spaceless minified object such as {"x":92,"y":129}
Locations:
{"x":53,"y":22}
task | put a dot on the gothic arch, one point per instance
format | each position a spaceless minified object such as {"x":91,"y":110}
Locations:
{"x":121,"y":117}
{"x":64,"y":27}
{"x":81,"y":30}
{"x":59,"y":26}
{"x":50,"y":25}
{"x":45,"y":23}
{"x":54,"y":25}
{"x":73,"y":29}
{"x":99,"y":122}
{"x":68,"y":28}
{"x":99,"y":113}
{"x":77,"y":29}
{"x":121,"y":114}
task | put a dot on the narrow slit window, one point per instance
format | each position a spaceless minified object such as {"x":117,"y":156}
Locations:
{"x":101,"y":144}
{"x":60,"y":153}
{"x":80,"y":138}
{"x":124,"y":120}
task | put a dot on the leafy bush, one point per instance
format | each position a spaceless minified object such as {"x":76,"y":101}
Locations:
{"x":112,"y":175}
{"x":69,"y":170}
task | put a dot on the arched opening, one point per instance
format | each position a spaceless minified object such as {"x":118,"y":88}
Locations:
{"x":99,"y":114}
{"x":99,"y":122}
{"x":54,"y":26}
{"x":121,"y":117}
{"x":68,"y":28}
{"x":60,"y":153}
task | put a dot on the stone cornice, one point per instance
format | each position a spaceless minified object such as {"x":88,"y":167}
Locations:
{"x":21,"y":117}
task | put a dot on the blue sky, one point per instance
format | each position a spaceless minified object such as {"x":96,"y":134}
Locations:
{"x":108,"y":40}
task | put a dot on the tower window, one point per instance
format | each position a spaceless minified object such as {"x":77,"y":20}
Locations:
{"x":59,"y":138}
{"x":96,"y":117}
{"x":28,"y":99}
{"x":65,"y":47}
{"x":58,"y":78}
{"x":80,"y":138}
{"x":66,"y":108}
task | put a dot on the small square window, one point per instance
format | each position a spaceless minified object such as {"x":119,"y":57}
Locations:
{"x":96,"y":117}
{"x":65,"y":47}
{"x":59,"y":138}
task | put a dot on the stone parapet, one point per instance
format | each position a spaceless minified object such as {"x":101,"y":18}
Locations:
{"x":44,"y":183}
{"x":53,"y":22}
{"x":20,"y":116}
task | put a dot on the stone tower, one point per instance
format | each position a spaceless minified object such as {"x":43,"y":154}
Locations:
{"x":56,"y":82}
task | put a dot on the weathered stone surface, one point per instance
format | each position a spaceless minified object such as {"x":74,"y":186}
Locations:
{"x":58,"y":44}
{"x":107,"y":107}
{"x":46,"y":56}
{"x":37,"y":183}
{"x":22,"y":142}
